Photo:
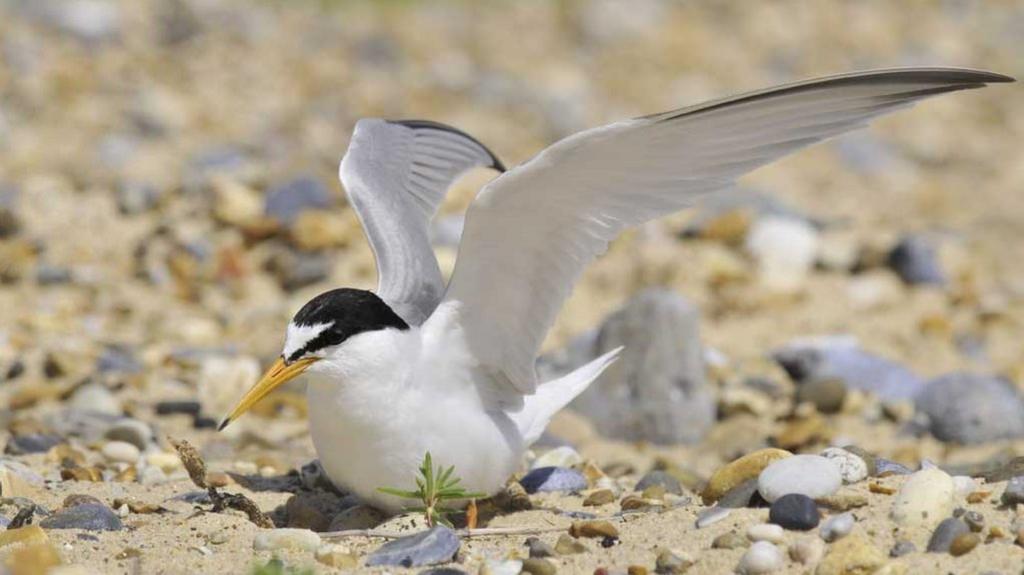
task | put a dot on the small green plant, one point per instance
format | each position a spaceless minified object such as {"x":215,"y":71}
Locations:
{"x":434,"y":487}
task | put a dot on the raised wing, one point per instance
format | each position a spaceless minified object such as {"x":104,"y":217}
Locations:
{"x":530,"y":232}
{"x":396,"y":174}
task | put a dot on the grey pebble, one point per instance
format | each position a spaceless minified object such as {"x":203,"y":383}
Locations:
{"x":661,"y":478}
{"x":1014,"y":493}
{"x":132,"y":431}
{"x":711,"y":516}
{"x":915,"y":260}
{"x":885,"y":467}
{"x":970,"y":408}
{"x":739,"y":496}
{"x":974,"y":520}
{"x":545,"y":479}
{"x":31,"y":443}
{"x":794,"y":511}
{"x":945,"y":533}
{"x":437,"y":545}
{"x":842,"y":359}
{"x":902,"y":548}
{"x":539,"y":549}
{"x":837,"y":527}
{"x":89,"y":516}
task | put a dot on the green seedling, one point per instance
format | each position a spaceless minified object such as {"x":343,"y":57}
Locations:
{"x":434,"y":488}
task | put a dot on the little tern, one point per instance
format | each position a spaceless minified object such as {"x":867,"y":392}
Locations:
{"x":423,"y":366}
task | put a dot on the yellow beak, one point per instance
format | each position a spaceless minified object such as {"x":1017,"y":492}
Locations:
{"x":278,"y":374}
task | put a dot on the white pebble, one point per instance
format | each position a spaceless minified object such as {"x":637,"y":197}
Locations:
{"x":152,"y":475}
{"x":925,"y":499}
{"x":286,"y":538}
{"x":964,"y":485}
{"x":167,"y":462}
{"x":711,"y":516}
{"x":120,"y":451}
{"x":785,"y":249}
{"x":852,"y":467}
{"x":509,"y":567}
{"x":766,"y":532}
{"x":837,"y":527}
{"x":810,"y":475}
{"x":563,"y":456}
{"x":762,"y":557}
{"x":807,"y":551}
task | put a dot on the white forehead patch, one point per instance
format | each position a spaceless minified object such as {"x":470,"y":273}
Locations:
{"x":297,"y":336}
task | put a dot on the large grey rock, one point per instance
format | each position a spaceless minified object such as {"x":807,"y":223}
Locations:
{"x":657,"y":390}
{"x":968,"y":408}
{"x":841,"y":358}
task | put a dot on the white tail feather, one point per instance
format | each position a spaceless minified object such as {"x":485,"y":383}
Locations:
{"x":552,"y":396}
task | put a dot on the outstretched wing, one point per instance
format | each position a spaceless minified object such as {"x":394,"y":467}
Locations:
{"x":530,"y":232}
{"x":396,"y":174}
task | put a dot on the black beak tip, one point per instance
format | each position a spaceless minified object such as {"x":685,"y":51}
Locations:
{"x":224,"y":424}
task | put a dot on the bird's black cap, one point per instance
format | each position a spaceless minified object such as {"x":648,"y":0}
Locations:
{"x":346,"y":312}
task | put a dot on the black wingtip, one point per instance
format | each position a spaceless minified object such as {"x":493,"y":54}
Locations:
{"x":432,"y":125}
{"x":224,"y":424}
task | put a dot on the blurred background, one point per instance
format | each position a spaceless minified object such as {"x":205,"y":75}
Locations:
{"x":168,"y":190}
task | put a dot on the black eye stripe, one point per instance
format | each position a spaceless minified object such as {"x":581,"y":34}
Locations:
{"x":344,"y":312}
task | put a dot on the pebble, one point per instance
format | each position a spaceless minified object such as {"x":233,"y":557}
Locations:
{"x":852,"y":468}
{"x":969,"y":409}
{"x":915,"y":260}
{"x":506,"y":567}
{"x":841,"y":358}
{"x":810,"y":475}
{"x":593,"y":528}
{"x":120,"y":451}
{"x":739,"y":496}
{"x":762,"y":557}
{"x":669,"y":562}
{"x":177,"y":407}
{"x":902,"y":548}
{"x":566,"y":545}
{"x":963,"y":544}
{"x":853,"y":554}
{"x":537,"y":566}
{"x":538,"y":548}
{"x":925,"y":498}
{"x":563,"y":456}
{"x":357,"y":517}
{"x":599,"y":497}
{"x":337,"y":556}
{"x":837,"y":527}
{"x":660,"y":478}
{"x":807,"y":551}
{"x":436,"y":545}
{"x":95,"y":398}
{"x":286,"y":538}
{"x":827,"y":395}
{"x":89,"y":516}
{"x":167,"y":462}
{"x":740,"y":470}
{"x":785,"y":249}
{"x":133,"y":431}
{"x":730,"y":540}
{"x":711,"y":516}
{"x":545,"y":479}
{"x":794,"y":511}
{"x":974,"y":520}
{"x":31,"y":443}
{"x":1014,"y":492}
{"x":943,"y":536}
{"x":656,"y":390}
{"x":885,"y":468}
{"x":766,"y":532}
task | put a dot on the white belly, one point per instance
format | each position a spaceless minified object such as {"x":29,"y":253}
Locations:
{"x":366,"y":441}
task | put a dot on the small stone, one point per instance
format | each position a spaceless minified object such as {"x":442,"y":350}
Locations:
{"x":766,"y":532}
{"x":538,"y":548}
{"x":599,"y":497}
{"x":730,"y":540}
{"x":902,"y":548}
{"x":96,"y":398}
{"x":807,"y":551}
{"x":736,"y":472}
{"x":885,"y":468}
{"x":837,"y":527}
{"x":32,"y":443}
{"x":337,"y":556}
{"x":41,"y":558}
{"x":974,"y":520}
{"x":190,"y":408}
{"x":827,"y":395}
{"x":843,"y":359}
{"x":785,"y":249}
{"x":80,"y":499}
{"x":794,"y":511}
{"x":671,"y":562}
{"x":852,"y":467}
{"x":537,"y":566}
{"x":943,"y":536}
{"x":152,"y":476}
{"x":286,"y":538}
{"x":853,"y":554}
{"x":545,"y":479}
{"x":970,"y":409}
{"x":739,"y":496}
{"x":120,"y":451}
{"x":925,"y":498}
{"x":593,"y":529}
{"x":810,"y":475}
{"x":881,"y":489}
{"x":132,"y":431}
{"x":357,"y":517}
{"x":1014,"y":492}
{"x":915,"y":260}
{"x":660,"y":478}
{"x":436,"y":545}
{"x":843,"y":501}
{"x":762,"y":557}
{"x":563,"y":456}
{"x":508,"y":567}
{"x":566,"y":545}
{"x":89,"y":516}
{"x":166,"y":462}
{"x":711,"y":515}
{"x":963,"y":544}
